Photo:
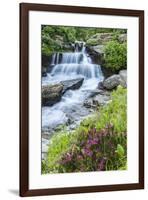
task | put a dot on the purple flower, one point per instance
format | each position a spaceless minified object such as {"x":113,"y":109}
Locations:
{"x":101,"y":165}
{"x":87,"y":152}
{"x":67,"y":158}
{"x":91,"y":142}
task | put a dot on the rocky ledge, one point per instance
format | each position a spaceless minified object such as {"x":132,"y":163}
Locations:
{"x":52,"y":94}
{"x":73,"y":84}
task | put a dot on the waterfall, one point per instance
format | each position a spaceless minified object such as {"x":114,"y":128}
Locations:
{"x":75,"y":63}
{"x":68,"y":66}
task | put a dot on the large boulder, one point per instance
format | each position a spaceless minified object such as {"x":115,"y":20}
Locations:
{"x":115,"y":80}
{"x":51,"y":94}
{"x":72,"y":84}
{"x":112,"y":82}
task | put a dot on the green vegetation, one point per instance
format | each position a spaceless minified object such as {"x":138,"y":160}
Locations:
{"x":99,"y":143}
{"x":115,"y":55}
{"x":59,"y":144}
{"x":57,"y":38}
{"x":115,"y":112}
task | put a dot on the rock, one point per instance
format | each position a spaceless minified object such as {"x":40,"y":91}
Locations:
{"x":98,"y":49}
{"x":75,"y":113}
{"x":98,"y":100}
{"x":45,"y":144}
{"x":72,"y":84}
{"x":51,"y":94}
{"x":115,"y":80}
{"x":122,"y":37}
{"x":96,"y":53}
{"x":99,"y":39}
{"x":123,"y":75}
{"x":112,"y":82}
{"x":44,"y":72}
{"x":45,"y":60}
{"x":100,"y":85}
{"x":107,"y":72}
{"x":98,"y":91}
{"x":101,"y":100}
{"x":49,"y":68}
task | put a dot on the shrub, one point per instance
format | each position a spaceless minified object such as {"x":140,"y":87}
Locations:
{"x":115,"y":55}
{"x":96,"y":151}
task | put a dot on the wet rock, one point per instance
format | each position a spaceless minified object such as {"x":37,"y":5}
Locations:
{"x":98,"y":91}
{"x":100,"y":85}
{"x":96,"y":53}
{"x":44,"y":72}
{"x":72,"y":84}
{"x":51,"y":94}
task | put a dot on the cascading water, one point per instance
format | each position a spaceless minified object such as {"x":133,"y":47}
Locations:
{"x":67,"y":66}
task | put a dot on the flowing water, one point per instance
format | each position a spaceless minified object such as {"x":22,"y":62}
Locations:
{"x":69,"y":66}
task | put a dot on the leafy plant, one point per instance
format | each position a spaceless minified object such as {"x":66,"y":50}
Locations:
{"x":115,"y":55}
{"x":59,"y":143}
{"x":95,"y":151}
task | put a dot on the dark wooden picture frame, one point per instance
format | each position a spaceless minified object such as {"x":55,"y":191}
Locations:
{"x":24,"y":98}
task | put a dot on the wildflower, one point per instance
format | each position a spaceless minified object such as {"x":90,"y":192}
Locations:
{"x":67,"y":158}
{"x":87,"y":152}
{"x":101,"y":165}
